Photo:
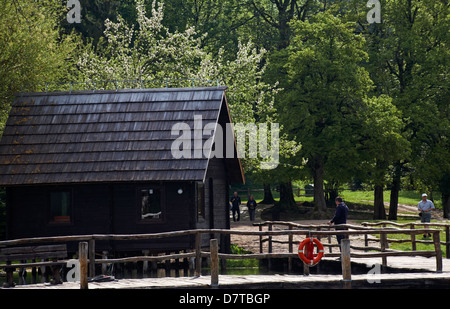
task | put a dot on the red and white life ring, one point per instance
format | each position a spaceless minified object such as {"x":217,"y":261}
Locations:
{"x":309,"y":257}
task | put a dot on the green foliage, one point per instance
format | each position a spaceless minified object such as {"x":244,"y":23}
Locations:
{"x":354,"y":101}
{"x":150,"y":51}
{"x":32,"y":50}
{"x":247,"y":263}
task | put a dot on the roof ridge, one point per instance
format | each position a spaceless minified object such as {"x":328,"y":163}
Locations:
{"x":121,"y":91}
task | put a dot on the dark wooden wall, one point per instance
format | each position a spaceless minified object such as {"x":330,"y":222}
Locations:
{"x":102,"y":209}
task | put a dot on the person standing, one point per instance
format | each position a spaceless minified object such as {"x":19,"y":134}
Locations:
{"x":251,"y":204}
{"x":340,"y":217}
{"x":235,"y":203}
{"x":425,"y":207}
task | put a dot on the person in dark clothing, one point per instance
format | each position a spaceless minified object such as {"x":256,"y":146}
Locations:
{"x":251,"y":204}
{"x":340,"y":217}
{"x":235,"y":203}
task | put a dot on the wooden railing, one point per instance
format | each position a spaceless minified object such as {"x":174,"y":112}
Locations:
{"x":414,"y":241}
{"x":88,"y":260}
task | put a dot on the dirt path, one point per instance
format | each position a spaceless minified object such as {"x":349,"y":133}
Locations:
{"x":251,"y":243}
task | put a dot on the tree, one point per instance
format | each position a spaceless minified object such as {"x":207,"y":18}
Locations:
{"x":32,"y":50}
{"x":409,"y":61}
{"x":149,"y":55}
{"x":380,"y":145}
{"x":326,"y":86}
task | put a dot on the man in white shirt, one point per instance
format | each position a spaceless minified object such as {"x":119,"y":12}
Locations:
{"x":425,"y":207}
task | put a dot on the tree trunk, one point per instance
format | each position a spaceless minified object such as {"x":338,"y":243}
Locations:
{"x":379,"y":210}
{"x":286,"y":195}
{"x":393,"y":203}
{"x":268,"y":197}
{"x":331,"y":192}
{"x":319,"y":196}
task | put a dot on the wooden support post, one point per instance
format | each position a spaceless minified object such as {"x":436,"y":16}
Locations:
{"x":291,"y":240}
{"x":366,"y":238}
{"x":198,"y":254}
{"x":9,"y":276}
{"x":413,"y":238}
{"x":447,"y":241}
{"x":56,"y":273}
{"x":270,"y":238}
{"x":83,"y":257}
{"x":260,"y":240}
{"x":269,"y":260}
{"x":33,"y":273}
{"x":145,"y":264}
{"x":305,"y":270}
{"x":214,"y":248}
{"x":346,"y":263}
{"x":437,"y":247}
{"x":92,"y":258}
{"x":329,"y":242}
{"x":383,"y":244}
{"x":104,"y":265}
{"x":43,"y":272}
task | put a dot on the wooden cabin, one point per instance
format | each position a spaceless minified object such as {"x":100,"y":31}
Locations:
{"x":100,"y":162}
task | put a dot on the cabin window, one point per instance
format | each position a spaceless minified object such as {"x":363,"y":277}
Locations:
{"x":60,"y":206}
{"x":200,"y":201}
{"x":150,"y":200}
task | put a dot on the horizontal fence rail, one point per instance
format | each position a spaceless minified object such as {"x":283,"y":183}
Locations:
{"x":292,"y":230}
{"x":413,"y":240}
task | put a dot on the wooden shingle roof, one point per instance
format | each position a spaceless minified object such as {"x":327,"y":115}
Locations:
{"x":104,"y":136}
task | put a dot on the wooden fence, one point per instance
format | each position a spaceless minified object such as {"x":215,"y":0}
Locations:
{"x":88,"y":260}
{"x":414,"y":241}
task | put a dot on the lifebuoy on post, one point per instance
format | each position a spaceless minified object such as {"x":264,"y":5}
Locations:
{"x":310,"y":259}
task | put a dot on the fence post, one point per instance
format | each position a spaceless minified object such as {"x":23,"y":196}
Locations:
{"x":346,"y":263}
{"x":83,"y":256}
{"x":269,"y":260}
{"x":198,"y":254}
{"x":383,"y":244}
{"x":413,"y":238}
{"x":291,"y":240}
{"x":447,"y":243}
{"x":104,"y":265}
{"x":92,"y":257}
{"x":214,"y":248}
{"x":437,"y":247}
{"x":260,"y":240}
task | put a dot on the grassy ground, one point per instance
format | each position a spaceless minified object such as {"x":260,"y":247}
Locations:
{"x":361,"y":197}
{"x":419,"y":246}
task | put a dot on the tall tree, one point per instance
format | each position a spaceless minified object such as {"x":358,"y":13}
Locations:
{"x":380,"y":144}
{"x":326,"y":86}
{"x":409,"y":61}
{"x":32,"y":49}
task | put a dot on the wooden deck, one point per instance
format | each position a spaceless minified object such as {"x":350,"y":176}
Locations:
{"x":426,"y":278}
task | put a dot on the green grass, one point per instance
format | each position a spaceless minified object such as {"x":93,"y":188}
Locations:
{"x":247,"y":263}
{"x":361,"y":197}
{"x":419,"y":246}
{"x":367,"y":197}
